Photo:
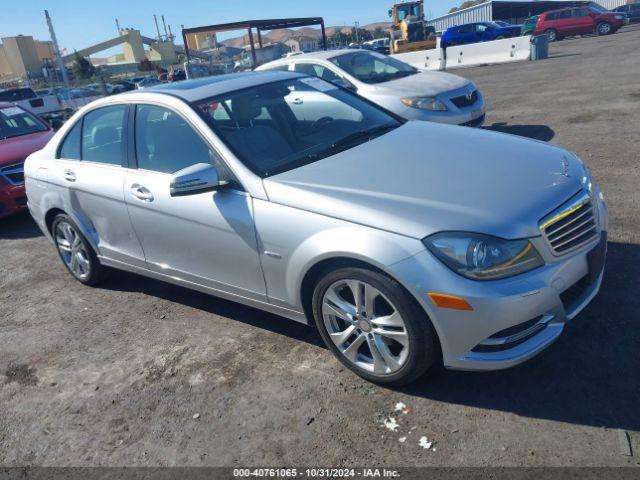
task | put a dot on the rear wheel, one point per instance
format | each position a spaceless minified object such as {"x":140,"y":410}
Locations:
{"x":75,"y":252}
{"x":552,"y":35}
{"x":373,"y":326}
{"x":603,"y":28}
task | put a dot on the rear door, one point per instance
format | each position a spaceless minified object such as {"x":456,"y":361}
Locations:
{"x":565,"y":22}
{"x":466,"y":34}
{"x":205,"y":238}
{"x":89,"y":167}
{"x":581,"y":21}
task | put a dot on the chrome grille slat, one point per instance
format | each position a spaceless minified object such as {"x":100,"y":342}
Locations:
{"x":555,"y":239}
{"x":553,"y":232}
{"x":571,"y":226}
{"x":558,"y":245}
{"x":13,"y":173}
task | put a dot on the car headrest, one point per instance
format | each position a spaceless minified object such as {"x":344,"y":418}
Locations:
{"x":245,"y":109}
{"x":104,"y":134}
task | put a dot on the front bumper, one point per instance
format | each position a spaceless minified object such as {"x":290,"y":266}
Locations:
{"x":512,"y":319}
{"x":471,"y":115}
{"x":13,"y":199}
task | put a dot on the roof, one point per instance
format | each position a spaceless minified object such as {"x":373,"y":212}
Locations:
{"x":199,"y":88}
{"x":270,"y":24}
{"x":319,"y":55}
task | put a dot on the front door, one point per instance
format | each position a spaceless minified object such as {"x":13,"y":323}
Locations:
{"x":205,"y":238}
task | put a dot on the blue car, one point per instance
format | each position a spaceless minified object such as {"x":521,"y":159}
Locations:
{"x":477,"y":32}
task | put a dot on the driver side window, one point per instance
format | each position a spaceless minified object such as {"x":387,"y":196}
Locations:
{"x":166,"y":143}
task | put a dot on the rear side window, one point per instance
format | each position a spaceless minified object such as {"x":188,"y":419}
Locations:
{"x":317,"y":71}
{"x":70,"y":148}
{"x":102,"y":135}
{"x":166,"y":143}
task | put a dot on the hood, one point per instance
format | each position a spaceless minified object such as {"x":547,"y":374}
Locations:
{"x":426,"y":83}
{"x":16,"y":149}
{"x":425,"y":177}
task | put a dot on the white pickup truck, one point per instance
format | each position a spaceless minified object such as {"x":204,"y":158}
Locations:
{"x":47,"y":106}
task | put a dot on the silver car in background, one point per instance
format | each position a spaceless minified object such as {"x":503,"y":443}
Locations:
{"x":413,"y":94}
{"x":403,"y":256}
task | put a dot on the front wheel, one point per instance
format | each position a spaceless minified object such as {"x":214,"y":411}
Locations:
{"x":75,"y":252}
{"x":373,"y":326}
{"x":552,"y":35}
{"x":603,"y":28}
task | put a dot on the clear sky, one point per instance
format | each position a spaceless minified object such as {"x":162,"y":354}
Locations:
{"x":80,"y":23}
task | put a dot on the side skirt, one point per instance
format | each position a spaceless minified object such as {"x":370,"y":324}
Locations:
{"x":284,"y":312}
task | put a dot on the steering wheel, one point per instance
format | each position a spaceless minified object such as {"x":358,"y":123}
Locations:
{"x":320,"y":123}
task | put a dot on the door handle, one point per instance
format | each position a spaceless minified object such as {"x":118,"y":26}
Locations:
{"x":69,"y":175}
{"x":297,"y":101}
{"x":141,"y":193}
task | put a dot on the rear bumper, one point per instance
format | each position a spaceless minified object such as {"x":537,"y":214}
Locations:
{"x":13,"y":199}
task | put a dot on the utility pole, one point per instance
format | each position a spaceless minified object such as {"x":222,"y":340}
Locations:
{"x":155,"y":19}
{"x":166,"y":35}
{"x":56,"y":50}
{"x":357,"y":24}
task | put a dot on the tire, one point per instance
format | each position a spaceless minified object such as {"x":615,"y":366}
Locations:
{"x":552,"y":35}
{"x":604,"y":28}
{"x":500,"y":37}
{"x":76,"y":253}
{"x":406,"y":345}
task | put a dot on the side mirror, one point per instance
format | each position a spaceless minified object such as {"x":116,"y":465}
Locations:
{"x":198,"y":178}
{"x":390,"y":13}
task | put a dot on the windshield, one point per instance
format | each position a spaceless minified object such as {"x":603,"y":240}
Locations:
{"x":14,"y":122}
{"x":372,"y":67}
{"x":594,"y":7}
{"x":283,"y":125}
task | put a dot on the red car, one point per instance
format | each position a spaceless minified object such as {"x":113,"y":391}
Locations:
{"x":557,"y":24}
{"x":21,"y":134}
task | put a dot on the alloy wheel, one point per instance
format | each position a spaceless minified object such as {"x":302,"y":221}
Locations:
{"x":365,"y":326}
{"x":72,"y":250}
{"x":604,"y":28}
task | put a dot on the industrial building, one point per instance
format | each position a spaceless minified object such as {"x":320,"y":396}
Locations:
{"x":23,"y":56}
{"x":509,"y":11}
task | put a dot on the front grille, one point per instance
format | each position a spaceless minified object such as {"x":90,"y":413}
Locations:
{"x":13,"y":173}
{"x":571,"y":226}
{"x":465,"y":100}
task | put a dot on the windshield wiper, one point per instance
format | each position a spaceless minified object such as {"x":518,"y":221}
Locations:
{"x":367,"y":135}
{"x":337,"y":146}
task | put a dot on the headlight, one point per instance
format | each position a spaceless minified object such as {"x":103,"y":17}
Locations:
{"x":483,"y":257}
{"x":425,"y":103}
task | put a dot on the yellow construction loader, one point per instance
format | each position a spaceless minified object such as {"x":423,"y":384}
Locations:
{"x":409,"y":32}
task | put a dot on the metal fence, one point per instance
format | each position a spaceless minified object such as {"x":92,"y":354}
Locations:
{"x":484,"y":13}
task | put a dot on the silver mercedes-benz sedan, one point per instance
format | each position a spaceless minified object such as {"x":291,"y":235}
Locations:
{"x":413,"y":94}
{"x":406,"y":243}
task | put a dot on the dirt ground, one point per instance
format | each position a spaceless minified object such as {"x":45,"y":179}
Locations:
{"x":137,"y":372}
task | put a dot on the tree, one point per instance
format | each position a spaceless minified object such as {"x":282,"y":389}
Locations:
{"x":82,"y":68}
{"x":379,"y":32}
{"x":467,"y":4}
{"x":146,"y":65}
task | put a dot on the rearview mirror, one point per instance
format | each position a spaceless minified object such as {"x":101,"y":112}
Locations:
{"x":198,"y":178}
